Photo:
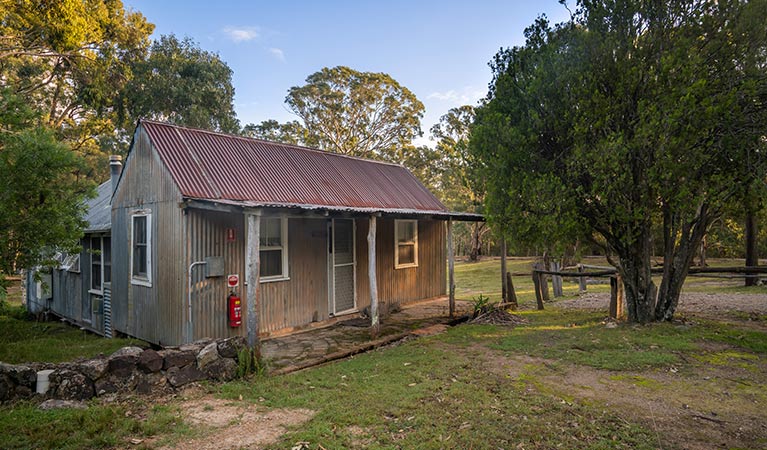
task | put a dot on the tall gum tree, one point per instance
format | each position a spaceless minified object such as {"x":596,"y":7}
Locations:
{"x":630,"y":113}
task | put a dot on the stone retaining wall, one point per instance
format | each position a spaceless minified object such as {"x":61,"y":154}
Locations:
{"x":130,"y":369}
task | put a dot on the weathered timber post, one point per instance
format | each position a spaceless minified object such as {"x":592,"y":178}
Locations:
{"x":450,"y":268}
{"x":504,"y":284}
{"x":374,"y":325}
{"x":537,"y":286}
{"x":581,"y":280}
{"x":252,"y":276}
{"x":512,"y":293}
{"x":617,"y":310}
{"x":556,"y":280}
{"x":543,"y":282}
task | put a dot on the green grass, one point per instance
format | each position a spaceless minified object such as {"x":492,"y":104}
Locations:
{"x":580,"y":337}
{"x":24,"y":426}
{"x":422,"y":395}
{"x":23,"y":340}
{"x":484,"y":277}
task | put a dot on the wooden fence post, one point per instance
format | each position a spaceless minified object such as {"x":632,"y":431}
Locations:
{"x":537,"y":284}
{"x":556,"y":280}
{"x":544,"y":284}
{"x":512,"y":294}
{"x":617,"y":309}
{"x":581,"y":280}
{"x":504,"y":284}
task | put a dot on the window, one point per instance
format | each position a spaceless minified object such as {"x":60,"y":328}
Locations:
{"x":106,"y":259}
{"x":96,"y":254}
{"x":406,"y":243}
{"x":141,"y":249}
{"x":273,"y":246}
{"x":101,"y":263}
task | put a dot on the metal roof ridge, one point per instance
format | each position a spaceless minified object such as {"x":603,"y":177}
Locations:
{"x":282,"y":144}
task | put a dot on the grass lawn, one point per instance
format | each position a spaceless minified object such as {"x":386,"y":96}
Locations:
{"x":22,"y":340}
{"x":563,"y":380}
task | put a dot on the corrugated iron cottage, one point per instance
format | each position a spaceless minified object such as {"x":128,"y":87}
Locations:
{"x":192,"y":207}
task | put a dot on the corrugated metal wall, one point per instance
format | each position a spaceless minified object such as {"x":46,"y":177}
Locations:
{"x":402,"y":286}
{"x":152,"y":313}
{"x":207,"y":238}
{"x":304,"y":297}
{"x":67,"y":291}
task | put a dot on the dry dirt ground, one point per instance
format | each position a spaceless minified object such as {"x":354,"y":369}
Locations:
{"x":696,"y":303}
{"x":226,"y":424}
{"x":713,"y":406}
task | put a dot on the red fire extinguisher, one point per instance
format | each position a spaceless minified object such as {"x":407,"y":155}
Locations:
{"x":235,"y":310}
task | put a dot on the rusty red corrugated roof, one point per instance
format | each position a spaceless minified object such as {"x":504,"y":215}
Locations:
{"x":217,"y":166}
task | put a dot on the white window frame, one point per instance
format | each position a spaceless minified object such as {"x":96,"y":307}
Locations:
{"x":397,"y":265}
{"x":100,"y":291}
{"x":136,"y":279}
{"x":285,"y":275}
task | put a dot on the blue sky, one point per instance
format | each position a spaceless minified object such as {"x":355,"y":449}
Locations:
{"x":437,"y":49}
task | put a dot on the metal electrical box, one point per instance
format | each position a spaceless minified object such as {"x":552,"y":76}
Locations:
{"x":214,"y":266}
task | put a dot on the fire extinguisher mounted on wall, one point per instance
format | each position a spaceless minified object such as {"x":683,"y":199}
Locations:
{"x":235,"y":310}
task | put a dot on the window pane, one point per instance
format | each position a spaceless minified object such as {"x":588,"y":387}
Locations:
{"x":107,"y":251}
{"x":95,"y":246}
{"x":271,"y":263}
{"x":139,"y":229}
{"x":95,"y":273}
{"x":405,"y":231}
{"x":406,"y":254}
{"x":271,"y":230}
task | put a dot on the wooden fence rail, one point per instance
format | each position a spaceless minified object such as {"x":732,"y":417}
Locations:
{"x":617,"y":307}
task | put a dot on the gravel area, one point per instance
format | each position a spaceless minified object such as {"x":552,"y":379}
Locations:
{"x":699,"y":302}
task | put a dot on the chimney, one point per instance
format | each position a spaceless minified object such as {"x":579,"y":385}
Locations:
{"x":115,"y":167}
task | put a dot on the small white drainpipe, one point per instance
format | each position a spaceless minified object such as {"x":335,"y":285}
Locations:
{"x":190,"y":331}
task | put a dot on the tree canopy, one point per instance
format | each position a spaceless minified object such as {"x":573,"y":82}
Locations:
{"x":180,"y":83}
{"x":357,"y":113}
{"x":41,"y":200}
{"x":630,"y":113}
{"x":68,"y":59}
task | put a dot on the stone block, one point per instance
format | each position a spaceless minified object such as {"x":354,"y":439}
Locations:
{"x":150,"y":361}
{"x":178,"y":377}
{"x":208,"y":355}
{"x":21,"y":375}
{"x":230,"y":348}
{"x":94,"y":368}
{"x":176,"y":358}
{"x":222,"y":369}
{"x":71,"y":385}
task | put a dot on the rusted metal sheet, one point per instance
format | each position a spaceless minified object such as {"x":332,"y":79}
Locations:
{"x":214,"y":166}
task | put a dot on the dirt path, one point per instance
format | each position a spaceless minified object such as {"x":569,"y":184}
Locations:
{"x":689,"y":302}
{"x":226,"y":424}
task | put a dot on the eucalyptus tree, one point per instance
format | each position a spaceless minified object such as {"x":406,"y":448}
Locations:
{"x":630,"y":113}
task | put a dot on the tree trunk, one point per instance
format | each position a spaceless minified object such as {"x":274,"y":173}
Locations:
{"x":476,"y":241}
{"x":752,"y":257}
{"x":681,"y":239}
{"x":702,"y":252}
{"x":638,"y":288}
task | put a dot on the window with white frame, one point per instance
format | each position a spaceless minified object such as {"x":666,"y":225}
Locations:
{"x":101,"y":263}
{"x":141,"y":249}
{"x":96,"y":264}
{"x":406,"y":243}
{"x":273,"y":248}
